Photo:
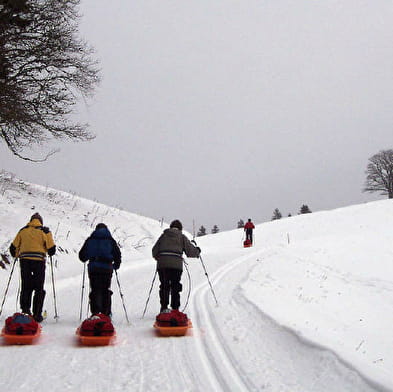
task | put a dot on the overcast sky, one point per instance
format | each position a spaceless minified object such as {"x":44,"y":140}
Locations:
{"x":221,"y":110}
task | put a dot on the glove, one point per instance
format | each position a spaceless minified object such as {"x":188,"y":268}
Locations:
{"x":52,"y":251}
{"x":12,"y":250}
{"x":199,"y":249}
{"x":116,"y":265}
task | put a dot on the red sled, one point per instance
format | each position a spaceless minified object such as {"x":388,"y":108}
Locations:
{"x":97,"y":330}
{"x":174,"y":323}
{"x":20,"y":328}
{"x":247,"y":243}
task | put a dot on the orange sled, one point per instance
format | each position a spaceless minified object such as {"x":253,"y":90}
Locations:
{"x":95,"y":340}
{"x":173,"y":331}
{"x":20,"y":339}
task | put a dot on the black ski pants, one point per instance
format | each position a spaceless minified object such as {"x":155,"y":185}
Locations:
{"x":32,"y":274}
{"x":100,"y":293}
{"x":170,"y":285}
{"x":249,"y":234}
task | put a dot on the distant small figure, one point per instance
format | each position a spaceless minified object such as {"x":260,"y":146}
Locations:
{"x":248,"y":228}
{"x":31,"y":245}
{"x":168,"y":251}
{"x":104,"y":256}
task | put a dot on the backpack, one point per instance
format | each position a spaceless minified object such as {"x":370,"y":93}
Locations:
{"x":97,"y":325}
{"x":172,"y":319}
{"x":21,"y":324}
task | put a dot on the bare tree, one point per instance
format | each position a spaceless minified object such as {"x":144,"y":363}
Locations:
{"x":380,"y":173}
{"x":44,"y":68}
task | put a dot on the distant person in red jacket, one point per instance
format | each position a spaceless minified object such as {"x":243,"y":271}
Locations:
{"x":248,"y":228}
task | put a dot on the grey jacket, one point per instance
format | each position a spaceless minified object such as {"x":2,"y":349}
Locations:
{"x":169,"y":248}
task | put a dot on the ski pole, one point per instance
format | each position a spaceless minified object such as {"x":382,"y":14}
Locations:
{"x":18,"y":294}
{"x":8,"y":284}
{"x":53,"y":288}
{"x":121,"y":296}
{"x":189,"y":286}
{"x":148,"y":298}
{"x":88,"y":303}
{"x":83,"y":290}
{"x":207,"y":276}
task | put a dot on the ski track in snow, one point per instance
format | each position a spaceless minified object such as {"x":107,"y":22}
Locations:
{"x":287,"y":362}
{"x":217,"y":361}
{"x":206,"y":360}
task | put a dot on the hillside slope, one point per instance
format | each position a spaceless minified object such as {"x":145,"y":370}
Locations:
{"x":311,"y":314}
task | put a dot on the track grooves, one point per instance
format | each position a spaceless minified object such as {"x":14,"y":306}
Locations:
{"x":219,"y":363}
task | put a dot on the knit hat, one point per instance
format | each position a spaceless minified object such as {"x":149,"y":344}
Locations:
{"x":37,"y":216}
{"x":101,"y":226}
{"x":176,"y":224}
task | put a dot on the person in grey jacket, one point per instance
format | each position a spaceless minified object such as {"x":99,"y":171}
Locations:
{"x":168,"y":251}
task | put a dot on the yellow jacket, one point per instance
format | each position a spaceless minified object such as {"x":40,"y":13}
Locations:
{"x":33,"y":242}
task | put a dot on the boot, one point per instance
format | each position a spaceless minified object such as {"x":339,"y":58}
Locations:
{"x":38,"y":303}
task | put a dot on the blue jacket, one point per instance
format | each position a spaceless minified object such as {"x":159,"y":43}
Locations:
{"x":101,"y":250}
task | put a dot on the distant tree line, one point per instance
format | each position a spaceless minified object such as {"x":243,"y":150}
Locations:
{"x":304,"y":209}
{"x":202,"y":230}
{"x":379,"y":179}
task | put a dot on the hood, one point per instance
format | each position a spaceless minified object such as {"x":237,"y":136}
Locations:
{"x":34,"y":223}
{"x":101,"y":233}
{"x":172,"y":232}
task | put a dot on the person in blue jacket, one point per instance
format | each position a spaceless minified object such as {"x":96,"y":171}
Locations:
{"x":104,"y":256}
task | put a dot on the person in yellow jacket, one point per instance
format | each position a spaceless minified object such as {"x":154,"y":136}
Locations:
{"x":31,"y":245}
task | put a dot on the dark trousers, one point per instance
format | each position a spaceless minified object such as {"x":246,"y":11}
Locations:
{"x":100,"y":293}
{"x":249,"y":234}
{"x":170,"y":285}
{"x":32,"y":274}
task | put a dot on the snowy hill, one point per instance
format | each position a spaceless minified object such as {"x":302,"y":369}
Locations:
{"x":70,"y":218}
{"x":307,"y":309}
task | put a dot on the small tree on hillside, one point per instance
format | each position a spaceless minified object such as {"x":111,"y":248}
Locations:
{"x":240,"y":224}
{"x":215,"y":229}
{"x":304,"y":209}
{"x":276,"y":214}
{"x":201,"y":231}
{"x":380,"y":174}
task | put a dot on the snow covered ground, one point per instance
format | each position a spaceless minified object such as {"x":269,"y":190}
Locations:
{"x":307,"y":309}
